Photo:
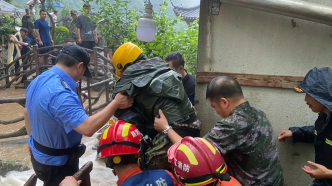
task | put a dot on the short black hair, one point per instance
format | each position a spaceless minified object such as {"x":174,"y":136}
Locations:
{"x":42,"y":10}
{"x":176,"y":58}
{"x":66,"y":60}
{"x":68,"y":40}
{"x":86,"y":5}
{"x":55,"y":12}
{"x":24,"y":30}
{"x":27,"y":10}
{"x":223,"y":87}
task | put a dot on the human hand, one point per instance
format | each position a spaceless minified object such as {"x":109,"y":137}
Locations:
{"x":319,"y":171}
{"x":70,"y":181}
{"x":122,"y":101}
{"x":52,"y":42}
{"x":283,"y":135}
{"x":96,"y":39}
{"x":79,"y":40}
{"x":40,"y":43}
{"x":29,"y":150}
{"x":161,"y":123}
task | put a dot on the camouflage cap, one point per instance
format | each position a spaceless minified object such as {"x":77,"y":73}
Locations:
{"x":73,"y":12}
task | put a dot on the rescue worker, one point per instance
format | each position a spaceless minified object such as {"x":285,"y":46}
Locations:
{"x":154,"y":86}
{"x":72,"y":26}
{"x":195,"y":161}
{"x":318,"y":171}
{"x":120,"y":145}
{"x":27,"y":22}
{"x":317,"y":86}
{"x":55,"y":119}
{"x":176,"y":62}
{"x":244,"y":134}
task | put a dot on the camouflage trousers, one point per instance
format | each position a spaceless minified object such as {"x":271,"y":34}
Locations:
{"x":157,"y":154}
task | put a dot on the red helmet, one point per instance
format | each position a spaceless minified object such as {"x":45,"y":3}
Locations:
{"x":196,"y":161}
{"x":119,"y":139}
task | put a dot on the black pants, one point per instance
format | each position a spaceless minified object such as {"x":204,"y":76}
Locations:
{"x":88,"y":44}
{"x":53,"y":175}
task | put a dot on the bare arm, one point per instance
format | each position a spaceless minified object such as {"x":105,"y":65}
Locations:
{"x":22,"y":43}
{"x":38,"y":35}
{"x":79,"y":33}
{"x":95,"y":122}
{"x":51,"y":38}
{"x":26,"y":121}
{"x":161,"y":124}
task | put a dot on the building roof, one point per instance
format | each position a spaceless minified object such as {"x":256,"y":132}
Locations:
{"x":191,"y":13}
{"x":6,"y":8}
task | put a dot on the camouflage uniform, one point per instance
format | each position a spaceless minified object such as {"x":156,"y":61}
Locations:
{"x":249,"y":144}
{"x":27,"y":23}
{"x":73,"y":31}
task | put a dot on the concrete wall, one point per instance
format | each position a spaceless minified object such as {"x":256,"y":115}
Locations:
{"x":241,"y":40}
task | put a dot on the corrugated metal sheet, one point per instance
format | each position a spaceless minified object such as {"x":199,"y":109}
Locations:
{"x":6,"y":8}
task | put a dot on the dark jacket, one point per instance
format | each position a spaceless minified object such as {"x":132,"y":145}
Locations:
{"x":321,"y":135}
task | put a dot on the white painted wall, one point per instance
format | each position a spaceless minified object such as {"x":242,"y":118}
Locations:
{"x":241,"y":40}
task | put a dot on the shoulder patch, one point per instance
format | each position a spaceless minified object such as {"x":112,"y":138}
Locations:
{"x":64,"y":84}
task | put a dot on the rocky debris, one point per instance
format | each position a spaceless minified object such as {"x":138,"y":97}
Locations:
{"x":7,"y":166}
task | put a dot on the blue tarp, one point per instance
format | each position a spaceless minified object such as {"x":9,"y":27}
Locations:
{"x":56,"y":5}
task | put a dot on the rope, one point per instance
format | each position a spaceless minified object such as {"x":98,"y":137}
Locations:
{"x":11,"y":58}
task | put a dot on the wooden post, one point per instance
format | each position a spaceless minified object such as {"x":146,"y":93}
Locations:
{"x":95,"y":62}
{"x":31,"y":181}
{"x":84,"y":174}
{"x":105,"y":54}
{"x":35,"y":54}
{"x":3,"y":42}
{"x":107,"y":88}
{"x":7,"y":77}
{"x":89,"y":96}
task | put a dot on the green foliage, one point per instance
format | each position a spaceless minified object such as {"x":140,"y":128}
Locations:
{"x":62,"y":33}
{"x":6,"y":27}
{"x":65,"y":12}
{"x":118,"y":25}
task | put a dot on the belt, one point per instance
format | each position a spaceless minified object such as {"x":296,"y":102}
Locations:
{"x":53,"y":152}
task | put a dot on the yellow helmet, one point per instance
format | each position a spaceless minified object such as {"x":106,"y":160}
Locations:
{"x":125,"y":54}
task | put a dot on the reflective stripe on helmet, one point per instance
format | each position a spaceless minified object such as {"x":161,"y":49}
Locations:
{"x":191,"y":157}
{"x":209,"y":145}
{"x":125,"y":129}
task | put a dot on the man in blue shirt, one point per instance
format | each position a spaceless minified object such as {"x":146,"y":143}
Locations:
{"x":55,"y":119}
{"x":25,"y":43}
{"x":43,"y":34}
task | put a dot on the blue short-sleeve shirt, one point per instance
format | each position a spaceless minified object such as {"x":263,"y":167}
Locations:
{"x":54,"y":111}
{"x":44,"y":30}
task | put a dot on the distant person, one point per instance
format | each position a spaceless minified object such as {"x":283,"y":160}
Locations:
{"x":244,"y":134}
{"x":43,"y":35}
{"x":317,"y":86}
{"x":176,"y":62}
{"x":24,"y":43}
{"x":55,"y":17}
{"x":72,"y":27}
{"x":27,"y":23}
{"x":32,"y":9}
{"x":43,"y":32}
{"x":86,"y":30}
